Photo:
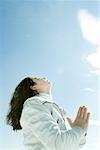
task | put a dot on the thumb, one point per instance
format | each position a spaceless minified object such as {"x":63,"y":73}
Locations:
{"x":70,"y":122}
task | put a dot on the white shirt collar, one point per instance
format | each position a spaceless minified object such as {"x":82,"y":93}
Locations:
{"x":46,"y":96}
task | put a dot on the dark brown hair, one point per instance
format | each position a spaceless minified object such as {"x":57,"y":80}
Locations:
{"x":21,"y":94}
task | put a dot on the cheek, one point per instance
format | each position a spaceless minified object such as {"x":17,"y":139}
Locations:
{"x":43,"y":84}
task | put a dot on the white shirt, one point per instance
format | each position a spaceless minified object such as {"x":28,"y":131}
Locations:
{"x":44,"y":127}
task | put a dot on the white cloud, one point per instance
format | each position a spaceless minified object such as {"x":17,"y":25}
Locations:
{"x":94,"y":122}
{"x":89,"y":89}
{"x":97,"y":72}
{"x":94,"y":59}
{"x":90,"y":27}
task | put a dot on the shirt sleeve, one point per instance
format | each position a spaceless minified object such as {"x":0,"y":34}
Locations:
{"x":45,"y":127}
{"x":83,"y":140}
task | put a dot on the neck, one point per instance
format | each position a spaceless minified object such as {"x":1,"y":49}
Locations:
{"x":46,"y":92}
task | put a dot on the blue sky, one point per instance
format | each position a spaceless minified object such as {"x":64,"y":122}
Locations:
{"x":53,"y":39}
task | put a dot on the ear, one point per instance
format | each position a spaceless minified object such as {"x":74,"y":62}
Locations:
{"x":32,"y":87}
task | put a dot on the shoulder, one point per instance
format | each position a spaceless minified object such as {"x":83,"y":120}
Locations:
{"x":33,"y":100}
{"x":36,"y":105}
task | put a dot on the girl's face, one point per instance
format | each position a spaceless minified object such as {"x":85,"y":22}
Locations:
{"x":42,"y":85}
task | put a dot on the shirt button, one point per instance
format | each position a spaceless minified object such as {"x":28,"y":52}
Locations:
{"x":57,"y":120}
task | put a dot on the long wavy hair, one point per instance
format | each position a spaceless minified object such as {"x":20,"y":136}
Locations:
{"x":21,"y":94}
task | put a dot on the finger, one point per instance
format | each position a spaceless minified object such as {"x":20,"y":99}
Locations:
{"x":70,"y":122}
{"x":82,"y":112}
{"x":88,"y":116}
{"x":85,"y":114}
{"x":79,"y":112}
